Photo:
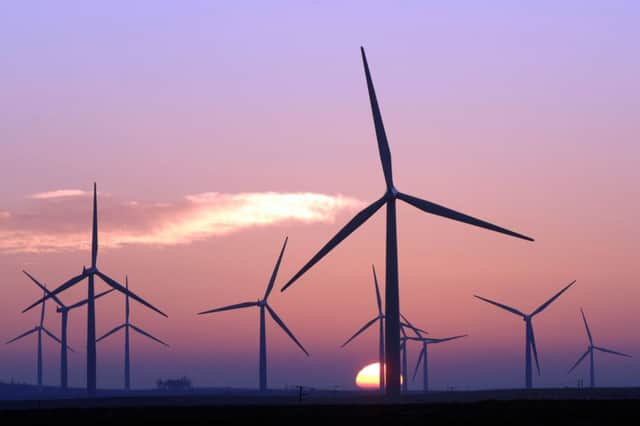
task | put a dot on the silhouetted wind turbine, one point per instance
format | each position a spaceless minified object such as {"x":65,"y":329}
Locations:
{"x":590,"y":352}
{"x":262,"y":304}
{"x":91,"y":311}
{"x":38,"y":329}
{"x":530,"y":340}
{"x":64,"y":311}
{"x":380,"y":319}
{"x":126,"y":326}
{"x":423,"y":356}
{"x":392,"y":297}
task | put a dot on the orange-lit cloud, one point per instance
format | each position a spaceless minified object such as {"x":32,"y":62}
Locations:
{"x":59,"y":193}
{"x":52,"y":227}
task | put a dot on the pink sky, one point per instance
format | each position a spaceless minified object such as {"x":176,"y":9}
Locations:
{"x":214,"y":131}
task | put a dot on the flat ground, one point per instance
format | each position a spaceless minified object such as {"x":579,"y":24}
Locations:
{"x":220,"y":407}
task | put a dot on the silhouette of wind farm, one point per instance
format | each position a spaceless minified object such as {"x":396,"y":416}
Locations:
{"x":90,"y":274}
{"x":395,"y":332}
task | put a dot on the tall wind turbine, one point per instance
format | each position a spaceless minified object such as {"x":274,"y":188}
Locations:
{"x":126,"y":326}
{"x":530,"y":340}
{"x":38,"y":329}
{"x":64,"y":311}
{"x":90,"y":274}
{"x":263,"y":305}
{"x":392,"y":296}
{"x":423,"y":356}
{"x":590,"y":349}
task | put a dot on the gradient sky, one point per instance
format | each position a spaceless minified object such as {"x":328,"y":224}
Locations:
{"x":214,"y":129}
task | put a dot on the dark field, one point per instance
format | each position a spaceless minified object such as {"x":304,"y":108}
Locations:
{"x":514,"y":407}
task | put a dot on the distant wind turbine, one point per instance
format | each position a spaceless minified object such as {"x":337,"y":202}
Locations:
{"x":64,"y":311}
{"x":90,"y":274}
{"x":38,"y":329}
{"x":126,"y":326}
{"x":380,"y":319}
{"x":530,"y":340}
{"x":392,"y":296}
{"x":590,"y":352}
{"x":262,"y":304}
{"x":423,"y":356}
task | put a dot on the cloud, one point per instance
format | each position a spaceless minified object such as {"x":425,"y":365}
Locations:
{"x":59,"y":193}
{"x":196,"y":217}
{"x":4,"y":215}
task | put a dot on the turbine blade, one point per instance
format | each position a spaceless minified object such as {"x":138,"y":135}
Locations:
{"x":548,"y":302}
{"x":113,"y":283}
{"x":45,"y":289}
{"x":375,"y":281}
{"x":60,"y":289}
{"x":611,"y":351}
{"x":381,"y":136}
{"x":439,"y":210}
{"x":415,"y":371}
{"x":144,"y":333}
{"x":53,"y":336}
{"x":417,"y":331}
{"x":277,"y":319}
{"x":94,"y":229}
{"x":360,"y":331}
{"x":33,"y":330}
{"x":587,"y":327}
{"x":579,"y":361}
{"x":275,"y":270}
{"x":446,"y":339}
{"x":500,"y":305}
{"x":535,"y":349}
{"x":229,"y":308}
{"x":111,"y":332}
{"x":84,"y":302}
{"x":353,"y":224}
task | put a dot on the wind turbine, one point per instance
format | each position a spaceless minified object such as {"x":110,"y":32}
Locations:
{"x":392,"y":297}
{"x":90,"y":274}
{"x":423,"y":356}
{"x":126,"y":326}
{"x":64,"y":311}
{"x":530,"y":340}
{"x":263,"y":305}
{"x":590,"y":352}
{"x":380,"y":319}
{"x":38,"y":329}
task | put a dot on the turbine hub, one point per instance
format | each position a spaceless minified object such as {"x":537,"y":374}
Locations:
{"x":392,"y":192}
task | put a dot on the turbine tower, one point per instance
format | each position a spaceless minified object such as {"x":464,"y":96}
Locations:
{"x":38,"y":329}
{"x":126,"y":326}
{"x":392,"y":296}
{"x":263,"y":305}
{"x":590,"y":352}
{"x":64,"y":311}
{"x":423,"y":356}
{"x":530,"y":340}
{"x":90,"y":274}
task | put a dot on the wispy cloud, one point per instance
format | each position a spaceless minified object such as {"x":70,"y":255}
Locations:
{"x":59,"y":193}
{"x":196,"y":217}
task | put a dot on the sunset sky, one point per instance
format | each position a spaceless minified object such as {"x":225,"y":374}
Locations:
{"x":215,"y":129}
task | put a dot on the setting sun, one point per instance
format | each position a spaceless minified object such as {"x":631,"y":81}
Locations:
{"x":369,"y":377}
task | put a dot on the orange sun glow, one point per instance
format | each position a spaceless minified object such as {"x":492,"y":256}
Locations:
{"x":369,"y":377}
